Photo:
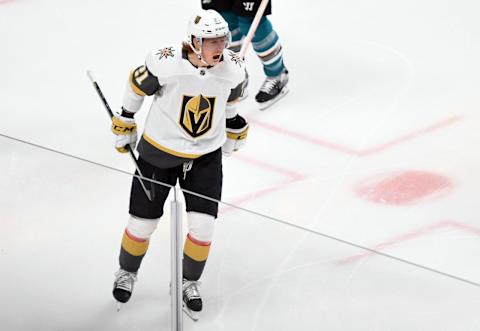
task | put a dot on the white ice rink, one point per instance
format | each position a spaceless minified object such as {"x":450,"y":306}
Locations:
{"x":375,"y":145}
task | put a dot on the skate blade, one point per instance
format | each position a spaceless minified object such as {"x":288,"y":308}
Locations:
{"x":194,"y":315}
{"x":268,"y":104}
{"x":119,"y":306}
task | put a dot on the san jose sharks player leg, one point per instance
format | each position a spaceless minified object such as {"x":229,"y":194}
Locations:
{"x":266,"y":44}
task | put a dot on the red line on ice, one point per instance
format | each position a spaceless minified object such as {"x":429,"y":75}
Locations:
{"x":409,"y":236}
{"x":303,"y":137}
{"x":270,"y":167}
{"x":292,"y":177}
{"x":255,"y":195}
{"x":347,"y":150}
{"x":412,"y":135}
{"x":464,"y":227}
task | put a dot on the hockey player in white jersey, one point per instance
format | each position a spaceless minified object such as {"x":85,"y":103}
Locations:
{"x":191,"y":121}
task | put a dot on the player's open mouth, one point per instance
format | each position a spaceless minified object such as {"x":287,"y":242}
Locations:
{"x":216,"y":57}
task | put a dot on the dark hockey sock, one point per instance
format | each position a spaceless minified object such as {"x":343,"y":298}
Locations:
{"x":132,"y":252}
{"x":195,"y":254}
{"x":266,"y":44}
{"x":236,"y":32}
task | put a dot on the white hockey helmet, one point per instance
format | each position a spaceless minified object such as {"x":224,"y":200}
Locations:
{"x":207,"y":24}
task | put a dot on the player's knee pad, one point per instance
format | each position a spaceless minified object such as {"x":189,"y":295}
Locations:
{"x":201,"y":226}
{"x":141,"y":227}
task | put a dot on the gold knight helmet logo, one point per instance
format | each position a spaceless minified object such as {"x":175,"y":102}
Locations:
{"x":196,"y":114}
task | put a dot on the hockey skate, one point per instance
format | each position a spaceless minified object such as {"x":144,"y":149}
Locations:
{"x":192,"y":302}
{"x":272,"y":90}
{"x":123,"y":286}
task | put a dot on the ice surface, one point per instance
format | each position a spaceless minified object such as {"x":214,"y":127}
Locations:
{"x":377,"y":88}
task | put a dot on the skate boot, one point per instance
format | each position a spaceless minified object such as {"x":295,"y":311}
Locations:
{"x":123,"y":285}
{"x":272,"y":90}
{"x":192,"y":302}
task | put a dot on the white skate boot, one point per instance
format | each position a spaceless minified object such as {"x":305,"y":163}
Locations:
{"x":192,"y":302}
{"x":123,"y":286}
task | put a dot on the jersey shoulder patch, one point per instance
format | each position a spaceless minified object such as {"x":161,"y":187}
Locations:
{"x":236,"y":66}
{"x":165,"y":53}
{"x":234,"y":58}
{"x":161,"y":61}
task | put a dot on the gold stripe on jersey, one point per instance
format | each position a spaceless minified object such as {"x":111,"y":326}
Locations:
{"x":168,"y":150}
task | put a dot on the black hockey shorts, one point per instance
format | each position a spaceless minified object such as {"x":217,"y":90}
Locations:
{"x":205,"y":177}
{"x":240,"y":8}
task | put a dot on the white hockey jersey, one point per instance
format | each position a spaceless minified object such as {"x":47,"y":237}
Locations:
{"x":187,"y":115}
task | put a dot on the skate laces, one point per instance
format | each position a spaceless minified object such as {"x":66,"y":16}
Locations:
{"x":190,"y":289}
{"x":125,"y":279}
{"x":269,"y":84}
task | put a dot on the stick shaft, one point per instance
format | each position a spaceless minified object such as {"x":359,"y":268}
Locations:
{"x":110,"y":113}
{"x":253,"y":28}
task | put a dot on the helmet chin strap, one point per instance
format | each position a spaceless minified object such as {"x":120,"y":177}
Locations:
{"x":198,"y":53}
{"x":200,"y":57}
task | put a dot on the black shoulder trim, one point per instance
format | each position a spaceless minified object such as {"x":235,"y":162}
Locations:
{"x":143,"y":82}
{"x":236,"y":92}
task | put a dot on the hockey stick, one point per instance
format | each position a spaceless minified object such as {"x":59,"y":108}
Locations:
{"x":253,"y":28}
{"x":110,"y":113}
